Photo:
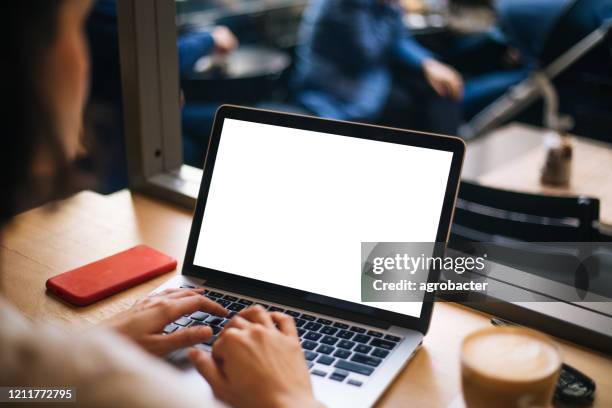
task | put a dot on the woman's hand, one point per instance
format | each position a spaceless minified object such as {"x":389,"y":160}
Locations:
{"x":256,"y":364}
{"x":445,"y":80}
{"x":144,"y":322}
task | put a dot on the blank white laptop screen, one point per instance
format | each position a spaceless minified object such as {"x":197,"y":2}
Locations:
{"x":291,"y":207}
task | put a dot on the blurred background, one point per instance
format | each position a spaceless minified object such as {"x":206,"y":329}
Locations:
{"x":526,"y":83}
{"x":431,"y":65}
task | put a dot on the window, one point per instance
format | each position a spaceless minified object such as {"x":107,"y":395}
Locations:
{"x":167,"y":114}
{"x":165,"y":150}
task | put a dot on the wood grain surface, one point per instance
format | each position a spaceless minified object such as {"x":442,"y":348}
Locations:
{"x":52,"y":239}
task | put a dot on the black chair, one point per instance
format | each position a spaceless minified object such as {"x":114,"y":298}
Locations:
{"x":512,"y":224}
{"x":485,"y":214}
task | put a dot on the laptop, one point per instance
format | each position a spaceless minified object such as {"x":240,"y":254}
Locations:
{"x":284,"y":205}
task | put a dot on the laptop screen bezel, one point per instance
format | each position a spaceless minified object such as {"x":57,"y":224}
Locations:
{"x":293,"y":296}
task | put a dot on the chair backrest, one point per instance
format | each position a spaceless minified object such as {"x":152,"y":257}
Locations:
{"x":579,"y":19}
{"x":487,"y":214}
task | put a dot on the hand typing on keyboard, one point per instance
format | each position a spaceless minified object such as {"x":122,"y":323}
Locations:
{"x":257,"y":361}
{"x":144,"y":322}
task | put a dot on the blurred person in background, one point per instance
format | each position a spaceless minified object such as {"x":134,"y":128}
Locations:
{"x":527,"y":24}
{"x":343,"y":68}
{"x":115,"y":364}
{"x":541,"y":31}
{"x":197,"y":117}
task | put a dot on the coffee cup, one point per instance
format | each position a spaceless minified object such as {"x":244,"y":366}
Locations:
{"x":509,"y":367}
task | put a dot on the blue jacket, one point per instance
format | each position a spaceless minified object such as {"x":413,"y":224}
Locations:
{"x":345,"y":54}
{"x":527,"y":23}
{"x":191,"y":47}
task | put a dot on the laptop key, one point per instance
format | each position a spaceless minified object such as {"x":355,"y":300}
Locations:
{"x":170,"y":328}
{"x":309,"y":364}
{"x":201,"y":316}
{"x":383,"y":344}
{"x":292,"y":313}
{"x":341,"y":353}
{"x":216,"y":329}
{"x":380,"y":353}
{"x":354,"y":382}
{"x":328,"y":330}
{"x":354,"y":367}
{"x":301,"y":332}
{"x":183,"y":321}
{"x":362,"y":348}
{"x":223,"y":302}
{"x":391,"y":337}
{"x":215,"y":294}
{"x":325,"y":349}
{"x":312,"y":326}
{"x":210,"y":341}
{"x":345,"y":344}
{"x":326,"y":360}
{"x":312,"y":336}
{"x":341,"y":326}
{"x":308,"y":317}
{"x":319,"y":373}
{"x":358,"y":329}
{"x":230,"y":298}
{"x":276,"y":309}
{"x":214,"y":320}
{"x":329,"y":340}
{"x":245,"y":302}
{"x":310,"y":355}
{"x":361,"y":338}
{"x":309,"y":345}
{"x":187,"y":287}
{"x":345,"y":334}
{"x":231,"y":314}
{"x":339,"y":375}
{"x":324,"y":321}
{"x":235,"y":307}
{"x":299,"y":322}
{"x":263,"y":305}
{"x":374,"y":333}
{"x":367,"y":360}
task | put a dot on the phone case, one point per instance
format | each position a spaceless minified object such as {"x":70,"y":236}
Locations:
{"x":105,"y":277}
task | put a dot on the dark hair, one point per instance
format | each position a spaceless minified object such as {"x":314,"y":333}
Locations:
{"x":28,"y":121}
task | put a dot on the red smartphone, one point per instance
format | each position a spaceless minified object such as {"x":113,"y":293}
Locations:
{"x":100,"y":279}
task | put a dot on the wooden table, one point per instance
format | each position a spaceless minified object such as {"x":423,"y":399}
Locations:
{"x":88,"y":226}
{"x":511,"y":158}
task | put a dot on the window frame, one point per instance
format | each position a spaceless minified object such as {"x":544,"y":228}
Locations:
{"x":151,"y":101}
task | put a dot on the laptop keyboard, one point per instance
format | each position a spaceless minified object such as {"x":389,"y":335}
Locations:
{"x":335,"y":350}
